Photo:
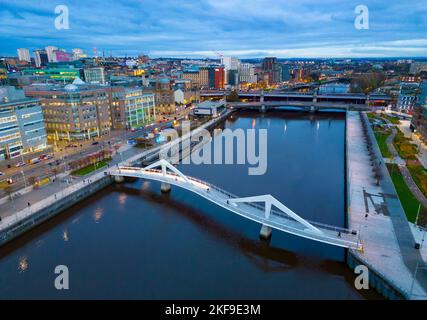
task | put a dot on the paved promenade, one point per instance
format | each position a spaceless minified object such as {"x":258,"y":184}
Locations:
{"x":376,"y":211}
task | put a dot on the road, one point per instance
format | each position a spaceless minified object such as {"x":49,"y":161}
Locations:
{"x":59,"y":163}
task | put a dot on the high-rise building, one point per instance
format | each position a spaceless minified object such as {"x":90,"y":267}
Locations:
{"x":285,"y":72}
{"x":22,"y":127}
{"x":247,"y":73}
{"x":24,"y":54}
{"x":230,"y":63}
{"x":271,"y":70}
{"x":131,"y":108}
{"x":233,"y":77}
{"x":94,"y":75}
{"x":75,"y":111}
{"x":219,"y":74}
{"x":50,"y":51}
{"x":40,"y":58}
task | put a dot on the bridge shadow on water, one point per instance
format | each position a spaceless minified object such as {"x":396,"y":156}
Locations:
{"x":265,"y":256}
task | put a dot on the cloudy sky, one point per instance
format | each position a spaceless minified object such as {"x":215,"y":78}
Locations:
{"x":244,"y":28}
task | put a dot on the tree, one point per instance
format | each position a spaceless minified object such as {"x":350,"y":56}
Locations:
{"x":233,"y":96}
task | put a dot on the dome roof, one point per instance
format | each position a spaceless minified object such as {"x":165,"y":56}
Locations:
{"x":71,"y":87}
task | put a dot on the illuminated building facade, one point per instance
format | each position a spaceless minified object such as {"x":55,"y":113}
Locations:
{"x":22,"y":127}
{"x":74,"y":111}
{"x":131,"y":108}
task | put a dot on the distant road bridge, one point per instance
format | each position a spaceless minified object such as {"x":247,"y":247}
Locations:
{"x":271,"y":215}
{"x":305,"y":106}
{"x":286,"y":97}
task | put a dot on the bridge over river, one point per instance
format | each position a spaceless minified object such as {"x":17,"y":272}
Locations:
{"x":272,"y":215}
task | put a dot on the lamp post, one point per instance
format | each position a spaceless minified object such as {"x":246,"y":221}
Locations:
{"x":23,"y":176}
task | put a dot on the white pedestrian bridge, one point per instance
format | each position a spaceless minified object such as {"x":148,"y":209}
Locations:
{"x":271,"y":215}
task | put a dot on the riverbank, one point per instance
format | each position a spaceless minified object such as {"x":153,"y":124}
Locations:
{"x":374,"y":209}
{"x":38,"y":206}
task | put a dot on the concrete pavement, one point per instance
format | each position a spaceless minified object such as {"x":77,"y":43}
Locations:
{"x":375,"y":210}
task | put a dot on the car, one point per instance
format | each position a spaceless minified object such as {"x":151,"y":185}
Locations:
{"x":20,"y":164}
{"x":1,"y":173}
{"x":34,"y":161}
{"x":45,"y":157}
{"x":95,"y":143}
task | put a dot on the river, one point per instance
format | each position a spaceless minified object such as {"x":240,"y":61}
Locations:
{"x":129,"y":241}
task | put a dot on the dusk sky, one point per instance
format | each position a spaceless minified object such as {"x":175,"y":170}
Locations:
{"x":243,"y":28}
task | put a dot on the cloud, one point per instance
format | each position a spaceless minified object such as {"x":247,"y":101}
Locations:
{"x":287,"y":28}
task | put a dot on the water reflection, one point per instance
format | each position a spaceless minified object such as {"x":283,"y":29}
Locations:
{"x":97,"y":216}
{"x":23,"y":264}
{"x":65,"y":236}
{"x":267,"y":258}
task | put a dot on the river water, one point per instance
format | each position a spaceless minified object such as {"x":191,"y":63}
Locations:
{"x":129,"y":241}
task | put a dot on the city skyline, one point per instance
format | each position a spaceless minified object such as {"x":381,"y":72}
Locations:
{"x":209,"y":28}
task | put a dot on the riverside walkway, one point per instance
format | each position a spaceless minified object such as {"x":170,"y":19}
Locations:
{"x":374,"y":209}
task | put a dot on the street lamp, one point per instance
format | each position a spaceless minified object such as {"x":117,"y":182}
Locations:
{"x":23,"y":176}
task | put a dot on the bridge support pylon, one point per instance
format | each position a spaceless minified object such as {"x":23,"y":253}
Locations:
{"x":165,"y":187}
{"x":265,"y":232}
{"x":119,"y":179}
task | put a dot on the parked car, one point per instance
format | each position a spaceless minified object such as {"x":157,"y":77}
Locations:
{"x":1,"y":173}
{"x":20,"y":164}
{"x":95,"y":143}
{"x":45,"y":157}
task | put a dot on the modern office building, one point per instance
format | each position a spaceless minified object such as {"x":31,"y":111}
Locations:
{"x":24,"y":54}
{"x":408,"y":96}
{"x":40,"y":58}
{"x":219,"y":76}
{"x":22,"y":127}
{"x":50,"y":51}
{"x":271,"y":70}
{"x":75,"y":111}
{"x":233,"y":77}
{"x":62,"y":56}
{"x":58,"y":74}
{"x":94,"y":75}
{"x":201,"y":77}
{"x":230,"y":64}
{"x":247,"y":73}
{"x":131,"y":108}
{"x":285,"y":72}
{"x":419,"y":118}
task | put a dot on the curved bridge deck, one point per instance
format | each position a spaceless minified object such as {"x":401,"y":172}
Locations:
{"x":247,"y":208}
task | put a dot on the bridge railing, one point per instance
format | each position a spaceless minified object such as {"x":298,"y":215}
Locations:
{"x":251,"y":204}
